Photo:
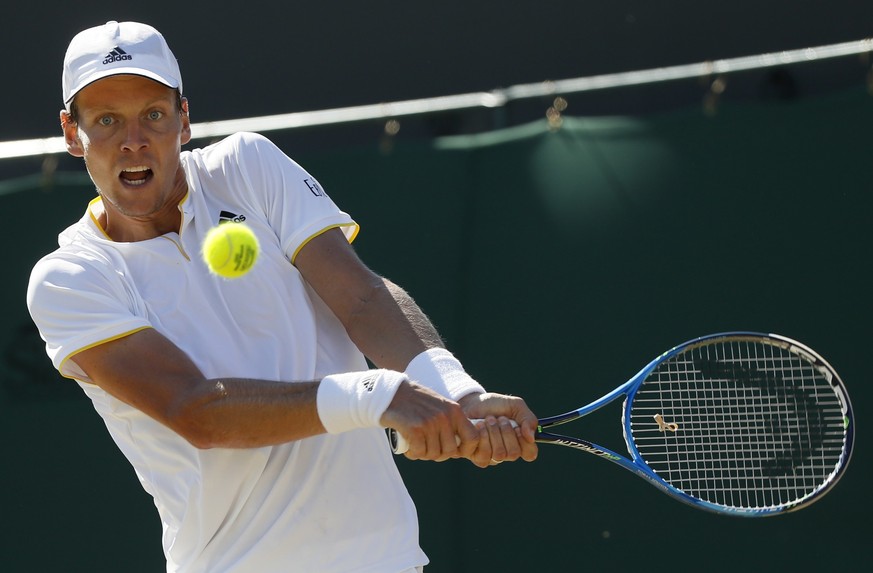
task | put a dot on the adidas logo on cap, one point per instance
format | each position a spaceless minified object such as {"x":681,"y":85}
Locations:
{"x":117,"y":55}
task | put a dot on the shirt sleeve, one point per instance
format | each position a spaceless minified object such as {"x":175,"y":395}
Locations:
{"x":295,"y":203}
{"x":76,"y":305}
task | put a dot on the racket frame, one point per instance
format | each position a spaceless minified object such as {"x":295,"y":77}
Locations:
{"x":636,"y":464}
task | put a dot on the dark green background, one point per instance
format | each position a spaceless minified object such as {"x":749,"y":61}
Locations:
{"x":556,"y":263}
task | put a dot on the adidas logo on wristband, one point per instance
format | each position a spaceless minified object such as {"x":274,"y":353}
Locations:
{"x":354,"y":400}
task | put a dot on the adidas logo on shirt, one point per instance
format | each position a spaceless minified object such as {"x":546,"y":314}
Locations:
{"x":117,"y":55}
{"x":228,"y":217}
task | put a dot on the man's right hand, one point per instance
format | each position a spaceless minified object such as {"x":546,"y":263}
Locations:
{"x":435,"y":427}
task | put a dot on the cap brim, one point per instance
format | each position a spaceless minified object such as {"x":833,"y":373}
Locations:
{"x":130,"y":71}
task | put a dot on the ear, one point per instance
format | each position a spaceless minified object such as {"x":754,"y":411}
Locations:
{"x":71,"y":135}
{"x":186,"y":122}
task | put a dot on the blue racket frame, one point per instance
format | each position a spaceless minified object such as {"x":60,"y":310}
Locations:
{"x":639,"y":467}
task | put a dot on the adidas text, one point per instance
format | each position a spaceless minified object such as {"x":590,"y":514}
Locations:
{"x":116,"y":58}
{"x":117,"y":55}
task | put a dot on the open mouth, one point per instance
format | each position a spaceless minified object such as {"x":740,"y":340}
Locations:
{"x":136,"y":175}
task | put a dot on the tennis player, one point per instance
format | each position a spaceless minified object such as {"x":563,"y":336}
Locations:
{"x":246,"y":406}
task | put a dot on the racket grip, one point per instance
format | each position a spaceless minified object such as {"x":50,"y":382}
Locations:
{"x":399,"y":445}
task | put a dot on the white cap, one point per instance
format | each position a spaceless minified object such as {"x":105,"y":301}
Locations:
{"x":118,"y":48}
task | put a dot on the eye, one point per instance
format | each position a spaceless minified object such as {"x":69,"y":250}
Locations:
{"x":155,"y":115}
{"x":105,"y":120}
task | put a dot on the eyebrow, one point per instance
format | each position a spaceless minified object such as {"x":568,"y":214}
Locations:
{"x":111,"y":107}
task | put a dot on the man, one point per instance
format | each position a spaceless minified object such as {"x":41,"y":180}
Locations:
{"x":245,"y":406}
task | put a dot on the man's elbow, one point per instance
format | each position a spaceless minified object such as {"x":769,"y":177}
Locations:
{"x":192,"y":416}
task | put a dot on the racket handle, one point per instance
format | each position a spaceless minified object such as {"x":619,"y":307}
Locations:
{"x":399,"y":445}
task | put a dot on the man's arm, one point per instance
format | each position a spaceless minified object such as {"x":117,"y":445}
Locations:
{"x":150,"y":373}
{"x":389,"y":335}
{"x":391,"y":330}
{"x":147,"y":371}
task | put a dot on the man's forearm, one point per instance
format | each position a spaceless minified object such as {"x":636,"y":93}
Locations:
{"x":390,"y":328}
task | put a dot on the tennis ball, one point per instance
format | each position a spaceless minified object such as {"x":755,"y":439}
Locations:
{"x":230,"y":250}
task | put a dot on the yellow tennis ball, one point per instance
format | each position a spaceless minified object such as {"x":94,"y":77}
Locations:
{"x":230,"y":250}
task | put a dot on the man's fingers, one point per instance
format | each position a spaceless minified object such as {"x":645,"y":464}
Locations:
{"x":467,"y":438}
{"x":439,"y":440}
{"x":495,"y":434}
{"x":481,"y":456}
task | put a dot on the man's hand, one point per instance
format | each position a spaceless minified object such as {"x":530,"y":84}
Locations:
{"x":435,"y":427}
{"x":499,"y":441}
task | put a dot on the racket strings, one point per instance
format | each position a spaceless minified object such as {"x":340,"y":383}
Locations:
{"x":740,"y":424}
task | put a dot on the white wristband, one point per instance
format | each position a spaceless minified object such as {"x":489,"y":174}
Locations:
{"x":356,"y":399}
{"x":439,"y":370}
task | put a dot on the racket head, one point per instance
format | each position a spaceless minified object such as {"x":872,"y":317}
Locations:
{"x":742,"y":423}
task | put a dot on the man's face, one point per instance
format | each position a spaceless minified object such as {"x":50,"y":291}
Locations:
{"x":130,"y":132}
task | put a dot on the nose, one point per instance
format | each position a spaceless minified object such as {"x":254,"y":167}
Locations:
{"x":134,"y":137}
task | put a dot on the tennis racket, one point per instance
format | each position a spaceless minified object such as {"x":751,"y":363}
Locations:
{"x":739,"y":423}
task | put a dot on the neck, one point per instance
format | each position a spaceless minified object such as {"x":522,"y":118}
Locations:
{"x":127,"y":227}
{"x":131,"y":229}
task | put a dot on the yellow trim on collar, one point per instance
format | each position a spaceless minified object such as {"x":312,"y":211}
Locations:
{"x":100,"y":199}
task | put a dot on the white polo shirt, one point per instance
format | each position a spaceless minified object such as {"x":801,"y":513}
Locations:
{"x":320,"y":505}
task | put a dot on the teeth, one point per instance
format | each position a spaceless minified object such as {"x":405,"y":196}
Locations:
{"x":127,"y":174}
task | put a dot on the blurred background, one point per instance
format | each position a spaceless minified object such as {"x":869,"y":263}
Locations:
{"x":559,"y":241}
